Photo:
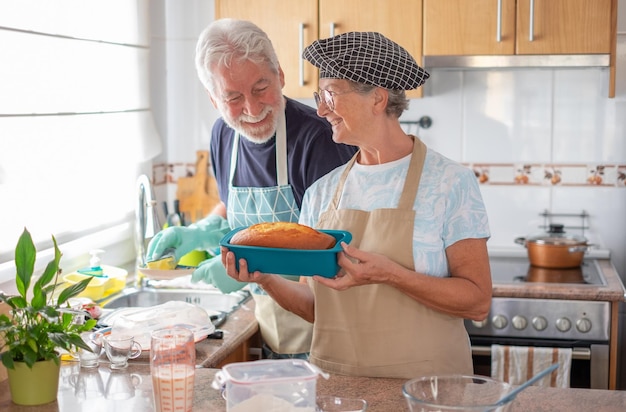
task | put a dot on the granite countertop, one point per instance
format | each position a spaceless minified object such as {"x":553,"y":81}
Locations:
{"x":613,"y":291}
{"x":382,"y":395}
{"x":240,"y":326}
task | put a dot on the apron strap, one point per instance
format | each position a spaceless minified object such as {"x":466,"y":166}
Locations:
{"x":334,"y":204}
{"x":413,"y":175}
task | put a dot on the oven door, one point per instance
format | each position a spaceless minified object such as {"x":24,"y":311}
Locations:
{"x":590,"y":361}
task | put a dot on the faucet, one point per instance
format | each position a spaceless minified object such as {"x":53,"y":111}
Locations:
{"x":146,"y":219}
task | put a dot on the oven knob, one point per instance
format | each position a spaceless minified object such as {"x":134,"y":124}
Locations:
{"x":480,"y":323}
{"x":519,"y":322}
{"x":563,"y":324}
{"x":499,"y":322}
{"x":583,"y":325}
{"x":540,"y":323}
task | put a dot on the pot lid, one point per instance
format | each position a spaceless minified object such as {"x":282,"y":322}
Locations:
{"x":556,"y":236}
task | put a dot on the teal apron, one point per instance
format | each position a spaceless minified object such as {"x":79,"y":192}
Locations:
{"x":283,"y":332}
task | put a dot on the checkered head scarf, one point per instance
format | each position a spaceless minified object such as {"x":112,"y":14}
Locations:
{"x":366,"y":57}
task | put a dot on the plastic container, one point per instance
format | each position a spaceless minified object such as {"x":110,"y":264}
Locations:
{"x":113,"y":280}
{"x":269,"y":385}
{"x":141,"y":322}
{"x":289,"y":261}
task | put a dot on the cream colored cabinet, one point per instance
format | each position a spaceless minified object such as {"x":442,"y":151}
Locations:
{"x":583,"y":30}
{"x":293,"y":25}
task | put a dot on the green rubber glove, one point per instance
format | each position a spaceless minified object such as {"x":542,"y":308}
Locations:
{"x":212,"y":271}
{"x":205,"y":234}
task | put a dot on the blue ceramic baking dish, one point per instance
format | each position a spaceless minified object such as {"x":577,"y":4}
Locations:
{"x":290,"y":261}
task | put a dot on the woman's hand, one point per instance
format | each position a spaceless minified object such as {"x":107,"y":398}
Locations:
{"x":359,"y":268}
{"x":296,"y":297}
{"x":241,"y":275}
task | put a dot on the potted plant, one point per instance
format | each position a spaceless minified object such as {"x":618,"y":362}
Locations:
{"x":38,"y":327}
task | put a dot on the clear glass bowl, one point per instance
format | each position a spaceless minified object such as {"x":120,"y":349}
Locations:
{"x":455,"y":393}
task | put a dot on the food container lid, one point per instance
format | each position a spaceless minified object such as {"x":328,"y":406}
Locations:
{"x":556,"y":236}
{"x":267,"y":371}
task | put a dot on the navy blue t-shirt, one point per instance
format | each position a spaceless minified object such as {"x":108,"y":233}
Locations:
{"x":311,"y":153}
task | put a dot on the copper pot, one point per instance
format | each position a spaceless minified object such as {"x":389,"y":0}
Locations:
{"x":546,"y":275}
{"x":555,"y":249}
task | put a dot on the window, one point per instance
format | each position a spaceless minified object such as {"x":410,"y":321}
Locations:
{"x":76,"y":127}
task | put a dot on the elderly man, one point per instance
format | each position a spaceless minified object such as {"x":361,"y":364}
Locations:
{"x":266,"y":150}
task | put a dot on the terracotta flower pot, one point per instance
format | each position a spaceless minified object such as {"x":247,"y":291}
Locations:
{"x":36,"y":386}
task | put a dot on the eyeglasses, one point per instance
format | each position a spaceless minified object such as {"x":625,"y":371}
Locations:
{"x":326,"y":96}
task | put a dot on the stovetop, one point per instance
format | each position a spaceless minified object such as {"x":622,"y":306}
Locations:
{"x":542,"y":318}
{"x":517,"y":270}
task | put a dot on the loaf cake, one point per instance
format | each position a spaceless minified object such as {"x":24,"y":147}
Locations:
{"x":285,"y":235}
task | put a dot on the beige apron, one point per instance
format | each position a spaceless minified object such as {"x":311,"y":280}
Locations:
{"x":376,"y":330}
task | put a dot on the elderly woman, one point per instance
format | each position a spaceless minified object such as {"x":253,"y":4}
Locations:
{"x":418,"y":262}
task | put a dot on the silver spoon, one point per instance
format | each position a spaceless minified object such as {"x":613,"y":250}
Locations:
{"x":511,"y":395}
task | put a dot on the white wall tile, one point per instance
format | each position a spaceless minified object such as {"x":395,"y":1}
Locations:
{"x":507,"y":115}
{"x":442,"y":103}
{"x":514,"y":211}
{"x":587,"y":128}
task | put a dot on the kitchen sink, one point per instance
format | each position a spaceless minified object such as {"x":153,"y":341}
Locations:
{"x":211,"y":300}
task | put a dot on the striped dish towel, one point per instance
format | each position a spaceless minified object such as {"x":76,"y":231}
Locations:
{"x":517,"y":364}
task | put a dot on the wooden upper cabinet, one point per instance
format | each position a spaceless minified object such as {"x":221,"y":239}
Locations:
{"x":564,"y":27}
{"x":399,"y":20}
{"x":468,"y":27}
{"x":292,"y":25}
{"x":482,"y":27}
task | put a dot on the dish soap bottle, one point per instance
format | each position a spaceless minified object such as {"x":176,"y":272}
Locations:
{"x":95,"y":268}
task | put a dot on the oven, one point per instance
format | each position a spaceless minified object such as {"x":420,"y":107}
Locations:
{"x":547,"y":308}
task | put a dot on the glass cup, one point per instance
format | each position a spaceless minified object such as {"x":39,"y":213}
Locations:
{"x":121,"y":348}
{"x":87,"y":384}
{"x":173,"y":366}
{"x":329,"y":403}
{"x":122,"y":385}
{"x":90,"y":359}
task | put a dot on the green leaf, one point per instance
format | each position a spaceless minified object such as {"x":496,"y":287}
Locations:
{"x":30,"y":358}
{"x":32,"y":343}
{"x":7,"y":360}
{"x":24,"y":262}
{"x":73,"y":290}
{"x":16,"y":302}
{"x":52,"y":268}
{"x":89,"y":325}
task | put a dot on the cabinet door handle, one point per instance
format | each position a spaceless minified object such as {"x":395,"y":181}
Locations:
{"x":499,"y":23}
{"x":301,"y":46}
{"x":332,"y":29}
{"x":531,"y":25}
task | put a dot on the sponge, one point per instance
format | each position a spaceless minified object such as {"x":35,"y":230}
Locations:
{"x":164,"y":263}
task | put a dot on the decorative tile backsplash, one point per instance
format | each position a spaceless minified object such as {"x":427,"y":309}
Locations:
{"x":549,"y":174}
{"x":164,"y":173}
{"x":530,"y":174}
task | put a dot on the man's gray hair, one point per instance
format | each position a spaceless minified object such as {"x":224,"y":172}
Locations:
{"x":227,"y":42}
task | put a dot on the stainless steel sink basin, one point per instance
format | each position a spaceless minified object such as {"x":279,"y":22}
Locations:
{"x":207,"y":299}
